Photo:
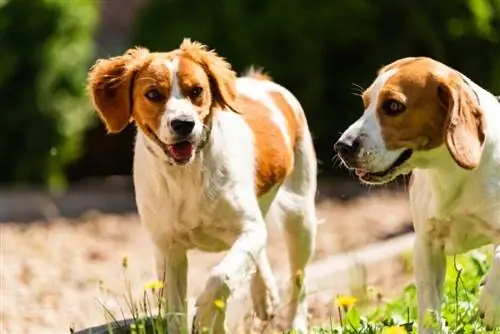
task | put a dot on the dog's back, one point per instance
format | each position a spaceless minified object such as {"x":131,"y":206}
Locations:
{"x":279,"y":126}
{"x":293,"y":207}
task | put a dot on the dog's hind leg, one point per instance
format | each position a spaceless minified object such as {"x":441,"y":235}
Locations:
{"x":300,"y":233}
{"x":296,"y":205}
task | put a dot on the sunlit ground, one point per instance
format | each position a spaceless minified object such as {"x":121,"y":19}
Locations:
{"x":51,"y":272}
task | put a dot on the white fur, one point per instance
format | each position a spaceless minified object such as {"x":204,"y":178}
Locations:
{"x":258,"y":90}
{"x":177,"y":105}
{"x":373,"y":155}
{"x":210,"y":205}
{"x":454,"y":210}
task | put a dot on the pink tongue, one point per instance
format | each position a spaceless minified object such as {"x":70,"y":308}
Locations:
{"x":182,"y":150}
{"x":360,"y":172}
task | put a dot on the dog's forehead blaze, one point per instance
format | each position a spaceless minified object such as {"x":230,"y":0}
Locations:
{"x":163,"y":72}
{"x":415,"y":84}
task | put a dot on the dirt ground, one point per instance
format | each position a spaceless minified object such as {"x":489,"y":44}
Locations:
{"x":51,"y":271}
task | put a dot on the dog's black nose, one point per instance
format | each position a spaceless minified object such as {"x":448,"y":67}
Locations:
{"x":347,"y":147}
{"x":182,"y":126}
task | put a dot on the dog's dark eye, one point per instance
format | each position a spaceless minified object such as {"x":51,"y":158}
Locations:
{"x":195,"y":92}
{"x":393,"y":107}
{"x":154,"y":95}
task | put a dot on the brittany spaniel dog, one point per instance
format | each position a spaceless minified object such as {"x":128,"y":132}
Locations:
{"x":425,"y":117}
{"x":216,"y":158}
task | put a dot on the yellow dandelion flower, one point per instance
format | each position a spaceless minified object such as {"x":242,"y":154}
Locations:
{"x":125,"y":261}
{"x":219,"y":304}
{"x":153,"y":285}
{"x":345,"y":301}
{"x":394,"y":330}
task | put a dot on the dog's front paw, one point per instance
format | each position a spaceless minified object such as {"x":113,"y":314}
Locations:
{"x":211,"y":306}
{"x":489,"y":307}
{"x":265,"y":300}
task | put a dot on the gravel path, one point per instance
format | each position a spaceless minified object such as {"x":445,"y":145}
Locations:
{"x":51,"y":271}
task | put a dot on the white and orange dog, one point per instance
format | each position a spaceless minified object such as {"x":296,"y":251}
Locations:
{"x":425,"y":117}
{"x":216,"y":157}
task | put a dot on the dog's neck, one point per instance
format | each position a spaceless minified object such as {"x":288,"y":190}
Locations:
{"x":447,"y":178}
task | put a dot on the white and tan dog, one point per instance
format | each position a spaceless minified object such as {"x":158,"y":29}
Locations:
{"x":423,"y":116}
{"x":215,"y":157}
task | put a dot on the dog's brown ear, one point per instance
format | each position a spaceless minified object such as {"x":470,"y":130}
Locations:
{"x":465,"y":129}
{"x":221,"y":75}
{"x":110,"y":84}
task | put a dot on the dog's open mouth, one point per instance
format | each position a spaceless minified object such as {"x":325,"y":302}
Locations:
{"x":181,"y":151}
{"x":368,"y":176}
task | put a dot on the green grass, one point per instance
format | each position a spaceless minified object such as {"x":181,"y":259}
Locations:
{"x":459,"y":314}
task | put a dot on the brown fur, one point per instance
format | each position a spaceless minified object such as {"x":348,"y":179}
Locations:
{"x":118,"y":87}
{"x":274,"y":158}
{"x":440,"y":108}
{"x":221,"y":76}
{"x":110,"y":86}
{"x":293,"y":122}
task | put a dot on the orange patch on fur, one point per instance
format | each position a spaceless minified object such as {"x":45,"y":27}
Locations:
{"x":274,"y":157}
{"x":366,"y":99}
{"x":192,"y":76}
{"x":398,"y":63}
{"x":109,"y":84}
{"x":293,"y":123}
{"x":440,"y":108}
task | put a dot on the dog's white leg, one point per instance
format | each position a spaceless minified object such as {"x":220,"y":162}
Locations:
{"x":300,"y":233}
{"x":264,"y":291}
{"x":172,"y":267}
{"x":231,"y":273}
{"x":430,"y":271}
{"x":489,"y":300}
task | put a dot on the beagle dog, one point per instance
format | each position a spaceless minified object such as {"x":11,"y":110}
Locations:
{"x":216,"y":157}
{"x":424,"y":117}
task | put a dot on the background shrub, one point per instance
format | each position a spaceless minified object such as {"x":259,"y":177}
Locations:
{"x":318,"y":49}
{"x":46,"y":47}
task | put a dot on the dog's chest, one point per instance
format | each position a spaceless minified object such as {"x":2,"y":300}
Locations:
{"x":191,"y":211}
{"x":461,"y":232}
{"x":459,"y":223}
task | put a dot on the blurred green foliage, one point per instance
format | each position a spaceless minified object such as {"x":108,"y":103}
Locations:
{"x":46,"y":47}
{"x":320,"y":48}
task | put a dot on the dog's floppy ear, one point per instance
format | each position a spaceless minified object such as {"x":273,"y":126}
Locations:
{"x":221,"y":75}
{"x":110,"y":84}
{"x":465,"y":129}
